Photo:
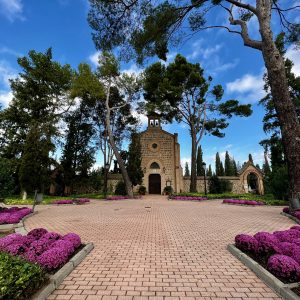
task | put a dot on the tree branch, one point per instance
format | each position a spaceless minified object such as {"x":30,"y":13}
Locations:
{"x":243,"y":5}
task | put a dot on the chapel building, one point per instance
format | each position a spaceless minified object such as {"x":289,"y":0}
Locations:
{"x":160,"y":158}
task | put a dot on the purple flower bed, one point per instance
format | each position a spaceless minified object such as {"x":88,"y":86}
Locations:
{"x":296,"y":214}
{"x":72,"y":201}
{"x":188,"y":198}
{"x":278,"y":252}
{"x":13,"y":215}
{"x":243,"y":202}
{"x":48,"y":249}
{"x":117,"y":198}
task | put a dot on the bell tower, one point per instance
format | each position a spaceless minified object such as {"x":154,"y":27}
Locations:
{"x":154,"y":121}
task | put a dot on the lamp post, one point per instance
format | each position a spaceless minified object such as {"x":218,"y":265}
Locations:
{"x":106,"y":167}
{"x":204,"y":167}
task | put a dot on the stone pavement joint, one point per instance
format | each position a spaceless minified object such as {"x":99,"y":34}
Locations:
{"x":173,"y":250}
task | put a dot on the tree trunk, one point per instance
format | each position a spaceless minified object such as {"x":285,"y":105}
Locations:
{"x":128,"y":184}
{"x":284,"y":106}
{"x":193,"y":184}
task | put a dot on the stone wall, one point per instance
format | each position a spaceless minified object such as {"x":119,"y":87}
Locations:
{"x":237,"y":184}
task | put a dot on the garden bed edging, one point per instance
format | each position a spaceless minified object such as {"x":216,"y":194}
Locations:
{"x":282,"y":289}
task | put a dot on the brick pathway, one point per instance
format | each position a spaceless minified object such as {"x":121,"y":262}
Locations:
{"x":159,"y":249}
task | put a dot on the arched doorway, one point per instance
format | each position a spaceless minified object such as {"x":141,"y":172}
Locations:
{"x":253,"y":185}
{"x":154,"y":184}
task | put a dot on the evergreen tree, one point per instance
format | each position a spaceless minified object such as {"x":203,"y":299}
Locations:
{"x":219,"y":166}
{"x":209,"y":171}
{"x":30,"y":124}
{"x":200,"y":168}
{"x":229,"y":165}
{"x":250,"y":158}
{"x":134,"y":168}
{"x":186,"y":170}
{"x":235,"y":168}
{"x":222,"y":171}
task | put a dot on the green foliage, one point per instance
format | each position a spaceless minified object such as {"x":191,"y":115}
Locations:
{"x":168,"y":190}
{"x":120,"y":188}
{"x":200,"y":168}
{"x":218,"y":186}
{"x":219,"y":166}
{"x":279,"y":182}
{"x":134,"y":167}
{"x":186,"y":170}
{"x":250,"y":158}
{"x":209,"y":171}
{"x":6,"y":178}
{"x":31,"y":123}
{"x":142,"y":190}
{"x":19,"y":279}
{"x":95,"y":179}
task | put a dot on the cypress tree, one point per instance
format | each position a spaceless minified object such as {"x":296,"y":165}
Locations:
{"x":186,"y":170}
{"x":222,"y":171}
{"x":235,"y":169}
{"x":200,"y":168}
{"x":228,"y":165}
{"x":218,"y":165}
{"x":209,"y":171}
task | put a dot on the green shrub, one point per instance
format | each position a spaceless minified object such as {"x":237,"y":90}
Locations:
{"x":142,"y":190}
{"x":19,"y":279}
{"x":168,"y":190}
{"x":120,"y":189}
{"x":279,"y":183}
{"x":218,"y":186}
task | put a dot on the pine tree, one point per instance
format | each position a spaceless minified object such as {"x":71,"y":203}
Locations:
{"x":250,"y":158}
{"x":209,"y":171}
{"x":200,"y":168}
{"x":134,"y":168}
{"x":186,"y":170}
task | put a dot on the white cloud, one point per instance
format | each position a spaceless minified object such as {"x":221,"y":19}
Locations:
{"x":6,"y":50}
{"x":225,"y":67}
{"x":133,"y":70}
{"x":6,"y":73}
{"x":5,"y":98}
{"x":294,"y":55}
{"x":248,"y":88}
{"x":205,"y":52}
{"x":94,"y":58}
{"x":12,"y":9}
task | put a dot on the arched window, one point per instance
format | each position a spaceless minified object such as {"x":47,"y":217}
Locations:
{"x":152,"y":123}
{"x":154,"y":165}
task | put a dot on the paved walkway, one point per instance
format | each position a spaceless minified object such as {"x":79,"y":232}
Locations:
{"x":158,"y":249}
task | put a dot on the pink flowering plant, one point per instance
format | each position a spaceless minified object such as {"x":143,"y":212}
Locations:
{"x":13,"y":215}
{"x":195,"y":198}
{"x":243,"y":202}
{"x":296,"y":214}
{"x":278,"y":252}
{"x":50,"y":250}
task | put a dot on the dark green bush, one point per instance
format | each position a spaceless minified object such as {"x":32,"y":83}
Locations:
{"x":279,"y":183}
{"x":120,"y":189}
{"x":219,"y":186}
{"x":168,"y":190}
{"x":19,"y":279}
{"x":142,"y":190}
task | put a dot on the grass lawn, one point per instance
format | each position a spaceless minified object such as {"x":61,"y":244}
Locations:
{"x":16,"y":200}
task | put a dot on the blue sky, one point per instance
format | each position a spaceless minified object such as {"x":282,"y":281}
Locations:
{"x":62,"y":25}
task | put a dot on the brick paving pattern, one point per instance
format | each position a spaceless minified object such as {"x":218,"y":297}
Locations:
{"x":159,"y":249}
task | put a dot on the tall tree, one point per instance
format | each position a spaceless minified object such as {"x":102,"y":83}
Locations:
{"x":200,"y":168}
{"x":186,"y":170}
{"x":134,"y":167}
{"x":181,"y":91}
{"x":235,"y":168}
{"x":127,"y":84}
{"x":31,"y":122}
{"x":209,"y":171}
{"x":154,"y":24}
{"x":219,"y":165}
{"x":229,"y":167}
